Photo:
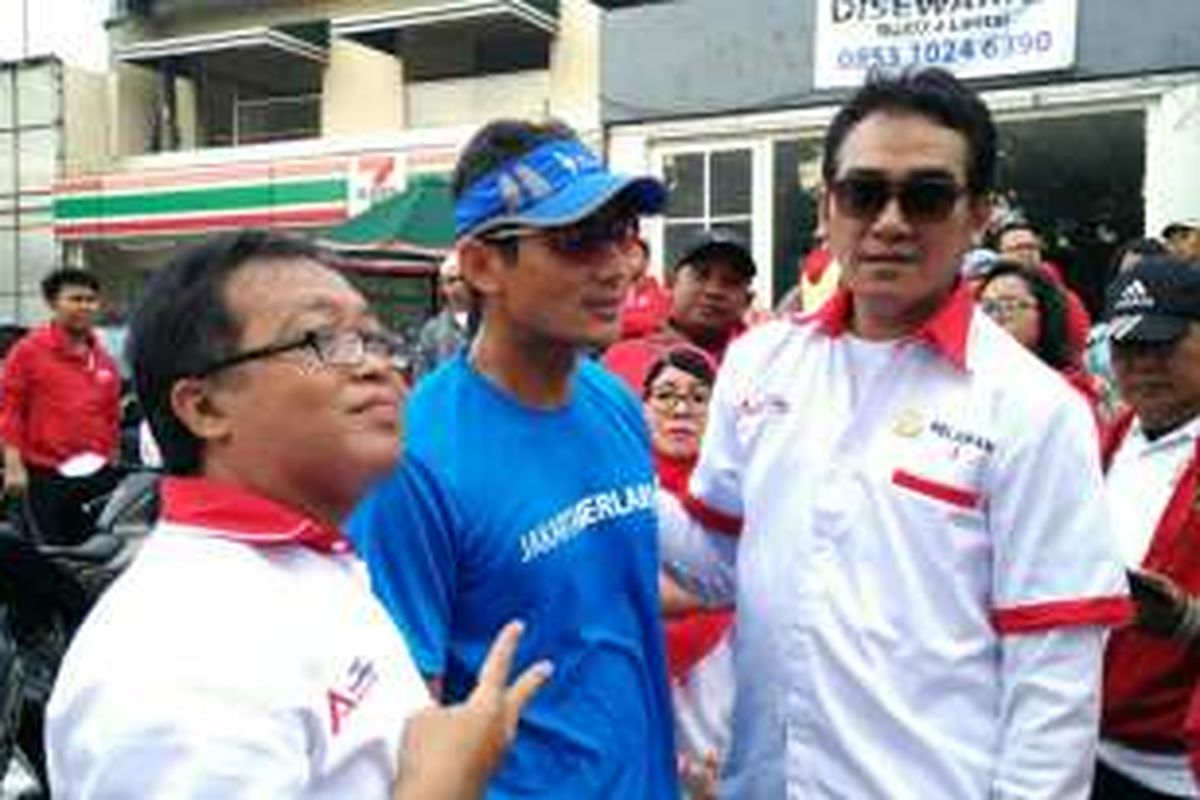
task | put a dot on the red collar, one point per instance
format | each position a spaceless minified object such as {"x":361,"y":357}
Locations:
{"x":231,"y":512}
{"x":63,"y":339}
{"x":945,"y":330}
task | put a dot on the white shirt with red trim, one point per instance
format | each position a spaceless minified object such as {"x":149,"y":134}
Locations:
{"x":924,"y":572}
{"x":242,"y":655}
{"x":1141,"y":480}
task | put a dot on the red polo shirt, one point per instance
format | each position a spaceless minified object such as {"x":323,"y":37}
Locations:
{"x":60,"y":398}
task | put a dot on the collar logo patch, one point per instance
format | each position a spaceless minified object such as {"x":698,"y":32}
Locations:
{"x":908,"y":423}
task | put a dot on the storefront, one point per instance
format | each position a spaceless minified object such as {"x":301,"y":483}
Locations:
{"x":124,"y":225}
{"x":1099,"y":123}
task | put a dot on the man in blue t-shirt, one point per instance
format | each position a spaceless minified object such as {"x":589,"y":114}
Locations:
{"x":526,"y":490}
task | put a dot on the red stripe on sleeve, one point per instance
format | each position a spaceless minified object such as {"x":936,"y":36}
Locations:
{"x":1108,"y":611}
{"x":711,"y":518}
{"x":963,"y":498}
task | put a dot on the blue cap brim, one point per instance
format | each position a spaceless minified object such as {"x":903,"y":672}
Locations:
{"x":581,"y":199}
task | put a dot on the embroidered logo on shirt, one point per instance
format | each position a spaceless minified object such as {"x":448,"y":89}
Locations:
{"x":345,"y":698}
{"x":764,"y":404}
{"x":578,"y":517}
{"x":962,"y":438}
{"x":908,"y":423}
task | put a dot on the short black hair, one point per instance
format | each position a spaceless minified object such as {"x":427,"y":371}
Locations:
{"x":1008,"y":226}
{"x":686,"y":358}
{"x":500,"y":141}
{"x":59,"y":279}
{"x":183,"y":324}
{"x":933,"y":93}
{"x":1053,"y":346}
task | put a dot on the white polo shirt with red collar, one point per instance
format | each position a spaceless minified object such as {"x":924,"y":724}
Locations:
{"x":241,"y":655}
{"x":923,"y":572}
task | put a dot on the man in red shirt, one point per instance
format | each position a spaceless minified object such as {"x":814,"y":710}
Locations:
{"x":710,"y":294}
{"x":60,"y":416}
{"x":648,"y":305}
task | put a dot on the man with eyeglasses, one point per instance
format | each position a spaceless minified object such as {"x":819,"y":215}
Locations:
{"x":527,"y":489}
{"x":905,"y":504}
{"x":242,"y":654}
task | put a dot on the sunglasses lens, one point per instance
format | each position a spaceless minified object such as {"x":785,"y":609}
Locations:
{"x":861,"y":197}
{"x":593,"y":235}
{"x":928,"y":199}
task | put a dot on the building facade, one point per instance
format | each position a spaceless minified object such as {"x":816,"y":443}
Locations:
{"x":1098,"y":104}
{"x":298,"y":114}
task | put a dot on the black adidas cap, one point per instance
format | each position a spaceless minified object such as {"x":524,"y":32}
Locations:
{"x":1154,"y":301}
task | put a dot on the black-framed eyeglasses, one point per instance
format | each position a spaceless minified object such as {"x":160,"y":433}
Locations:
{"x":922,"y":198}
{"x":333,"y":348}
{"x":590,"y":236}
{"x":668,"y":399}
{"x":1006,"y":306}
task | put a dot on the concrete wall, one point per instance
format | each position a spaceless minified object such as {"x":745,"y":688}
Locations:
{"x":575,"y":66}
{"x":693,"y":57}
{"x":134,"y":108}
{"x":363,"y":91}
{"x":473,"y":101}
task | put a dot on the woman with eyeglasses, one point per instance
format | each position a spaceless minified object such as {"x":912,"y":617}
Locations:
{"x":676,"y":393}
{"x":1033,"y":309}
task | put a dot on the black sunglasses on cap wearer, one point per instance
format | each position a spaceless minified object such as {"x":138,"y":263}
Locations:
{"x":922,"y":197}
{"x":589,"y":236}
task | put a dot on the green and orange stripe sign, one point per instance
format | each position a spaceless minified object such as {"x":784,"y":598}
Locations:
{"x":290,"y":194}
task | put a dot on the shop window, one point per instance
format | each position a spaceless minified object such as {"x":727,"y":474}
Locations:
{"x":708,"y":190}
{"x":1079,"y":181}
{"x":796,"y":186}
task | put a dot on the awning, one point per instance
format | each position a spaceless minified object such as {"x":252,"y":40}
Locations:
{"x":420,"y":219}
{"x":459,"y":38}
{"x":279,"y":60}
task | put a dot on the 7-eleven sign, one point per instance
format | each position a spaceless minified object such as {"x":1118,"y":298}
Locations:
{"x":373,"y":178}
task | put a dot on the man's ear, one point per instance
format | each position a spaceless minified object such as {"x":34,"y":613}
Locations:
{"x":824,"y":198}
{"x":480,"y":265}
{"x":195,"y":405}
{"x":980,"y":209}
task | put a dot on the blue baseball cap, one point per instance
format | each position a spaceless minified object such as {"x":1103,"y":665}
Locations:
{"x":557,"y":183}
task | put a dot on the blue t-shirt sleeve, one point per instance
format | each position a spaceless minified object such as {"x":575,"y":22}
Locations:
{"x":404,"y":530}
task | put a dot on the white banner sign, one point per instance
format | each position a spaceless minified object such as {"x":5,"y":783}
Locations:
{"x":971,"y":38}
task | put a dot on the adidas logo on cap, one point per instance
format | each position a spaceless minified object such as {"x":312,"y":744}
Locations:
{"x":1134,"y":297}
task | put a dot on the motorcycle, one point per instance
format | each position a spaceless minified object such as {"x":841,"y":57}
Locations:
{"x":45,"y":593}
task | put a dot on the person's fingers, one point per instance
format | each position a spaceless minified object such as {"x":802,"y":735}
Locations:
{"x":494,"y":672}
{"x":524,"y":688}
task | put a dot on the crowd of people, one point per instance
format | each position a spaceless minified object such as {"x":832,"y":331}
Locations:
{"x":927,"y":532}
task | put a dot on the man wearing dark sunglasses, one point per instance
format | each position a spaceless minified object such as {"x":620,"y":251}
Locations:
{"x":922,"y":567}
{"x":243,"y":654}
{"x":526,"y":487}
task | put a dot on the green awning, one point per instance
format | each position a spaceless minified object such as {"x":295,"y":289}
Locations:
{"x":421,"y":216}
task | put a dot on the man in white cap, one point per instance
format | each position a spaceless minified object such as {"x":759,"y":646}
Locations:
{"x":1183,"y":239}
